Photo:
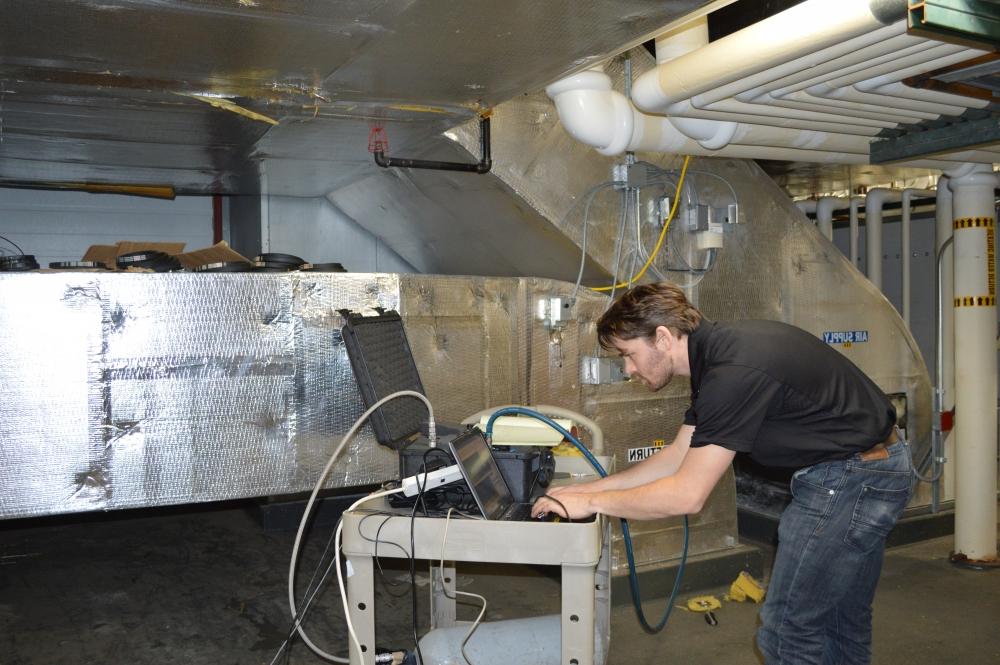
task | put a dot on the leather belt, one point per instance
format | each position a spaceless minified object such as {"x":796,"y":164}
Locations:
{"x":880,"y":449}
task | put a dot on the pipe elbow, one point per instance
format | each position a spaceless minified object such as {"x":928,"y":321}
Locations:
{"x":710,"y":134}
{"x":826,"y":205}
{"x":593,"y":113}
{"x":876,"y":198}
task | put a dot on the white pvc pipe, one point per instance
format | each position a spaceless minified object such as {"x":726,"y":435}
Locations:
{"x":736,"y":106}
{"x":694,"y":82}
{"x":844,"y":126}
{"x":877,"y":46}
{"x":823,"y":209}
{"x":898,"y":90}
{"x":944,"y":217}
{"x":855,"y":202}
{"x":975,"y":364}
{"x":824,"y":214}
{"x":779,"y":40}
{"x":681,"y":40}
{"x":849,"y":97}
{"x":874,"y":200}
{"x":878,"y":53}
{"x":905,"y":237}
{"x":932,"y":58}
{"x":595,"y":114}
{"x":820,"y":98}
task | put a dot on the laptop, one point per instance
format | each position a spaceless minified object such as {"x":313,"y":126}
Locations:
{"x":479,"y":468}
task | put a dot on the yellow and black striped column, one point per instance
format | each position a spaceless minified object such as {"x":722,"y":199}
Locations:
{"x":975,"y":302}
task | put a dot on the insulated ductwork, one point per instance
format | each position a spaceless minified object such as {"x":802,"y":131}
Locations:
{"x":816,"y":82}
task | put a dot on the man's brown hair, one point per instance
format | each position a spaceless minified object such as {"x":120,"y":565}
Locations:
{"x":642,"y":309}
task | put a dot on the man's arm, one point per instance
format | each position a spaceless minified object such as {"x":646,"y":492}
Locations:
{"x":682,"y":493}
{"x":664,"y":463}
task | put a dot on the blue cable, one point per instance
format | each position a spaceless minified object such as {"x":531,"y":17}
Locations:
{"x":633,"y":579}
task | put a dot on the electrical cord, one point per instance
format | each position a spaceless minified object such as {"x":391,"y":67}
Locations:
{"x":432,"y":435}
{"x":340,"y":574}
{"x":560,"y":504}
{"x":377,"y":540}
{"x":16,"y":246}
{"x":622,"y":221}
{"x":626,"y":534}
{"x":479,"y":619}
{"x":589,"y":199}
{"x":421,"y":486}
{"x":663,"y":234}
{"x":310,"y":595}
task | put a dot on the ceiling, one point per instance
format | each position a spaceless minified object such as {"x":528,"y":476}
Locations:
{"x":244,"y":96}
{"x":280,"y":96}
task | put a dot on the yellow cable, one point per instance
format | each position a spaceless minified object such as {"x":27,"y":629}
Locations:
{"x":663,"y":234}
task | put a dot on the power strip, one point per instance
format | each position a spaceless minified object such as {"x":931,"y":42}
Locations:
{"x":413,"y":484}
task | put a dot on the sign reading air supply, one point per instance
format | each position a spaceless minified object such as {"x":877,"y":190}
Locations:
{"x":988,"y":299}
{"x":846,"y":337}
{"x":639,"y":454}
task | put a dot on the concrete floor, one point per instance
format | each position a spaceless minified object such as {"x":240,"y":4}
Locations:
{"x":209,"y":586}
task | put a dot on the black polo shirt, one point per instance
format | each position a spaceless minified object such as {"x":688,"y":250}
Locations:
{"x":781,"y":395}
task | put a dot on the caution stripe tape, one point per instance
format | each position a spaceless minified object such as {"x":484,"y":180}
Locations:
{"x":976,"y":301}
{"x":973,"y":223}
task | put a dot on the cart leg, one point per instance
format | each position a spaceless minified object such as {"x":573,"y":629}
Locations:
{"x":577,"y":615}
{"x":361,"y":604}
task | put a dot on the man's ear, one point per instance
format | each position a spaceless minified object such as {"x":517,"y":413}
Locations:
{"x":664,"y":338}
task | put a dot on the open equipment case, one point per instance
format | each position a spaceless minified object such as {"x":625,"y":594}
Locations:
{"x":383,"y":364}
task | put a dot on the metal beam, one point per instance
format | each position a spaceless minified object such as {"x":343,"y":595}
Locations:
{"x":968,"y":135}
{"x":973,"y":23}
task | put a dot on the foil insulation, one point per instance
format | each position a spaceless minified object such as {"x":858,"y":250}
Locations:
{"x":131,"y":390}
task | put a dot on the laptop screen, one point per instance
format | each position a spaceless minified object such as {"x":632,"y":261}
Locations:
{"x":475,"y":459}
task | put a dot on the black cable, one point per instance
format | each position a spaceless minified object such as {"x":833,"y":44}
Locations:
{"x":19,"y":250}
{"x":421,"y":474}
{"x":378,"y":562}
{"x":421,"y":486}
{"x":300,"y":615}
{"x":560,"y":504}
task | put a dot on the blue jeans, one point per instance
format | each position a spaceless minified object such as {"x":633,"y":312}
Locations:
{"x":831,"y":542}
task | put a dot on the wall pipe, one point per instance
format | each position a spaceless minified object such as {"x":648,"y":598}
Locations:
{"x":823,"y":209}
{"x":975,"y":365}
{"x":874,"y":200}
{"x":824,"y":214}
{"x":855,"y":203}
{"x":481,"y":167}
{"x":905,"y":238}
{"x":944,"y":388}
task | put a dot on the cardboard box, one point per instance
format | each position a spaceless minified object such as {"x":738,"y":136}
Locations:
{"x":217,"y":253}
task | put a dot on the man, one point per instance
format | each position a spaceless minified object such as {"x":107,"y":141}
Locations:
{"x":786,"y":399}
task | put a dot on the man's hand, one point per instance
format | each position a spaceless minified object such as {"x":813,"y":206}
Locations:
{"x":564,"y":500}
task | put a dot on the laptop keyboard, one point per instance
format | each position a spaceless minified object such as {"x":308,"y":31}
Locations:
{"x":518,"y":512}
